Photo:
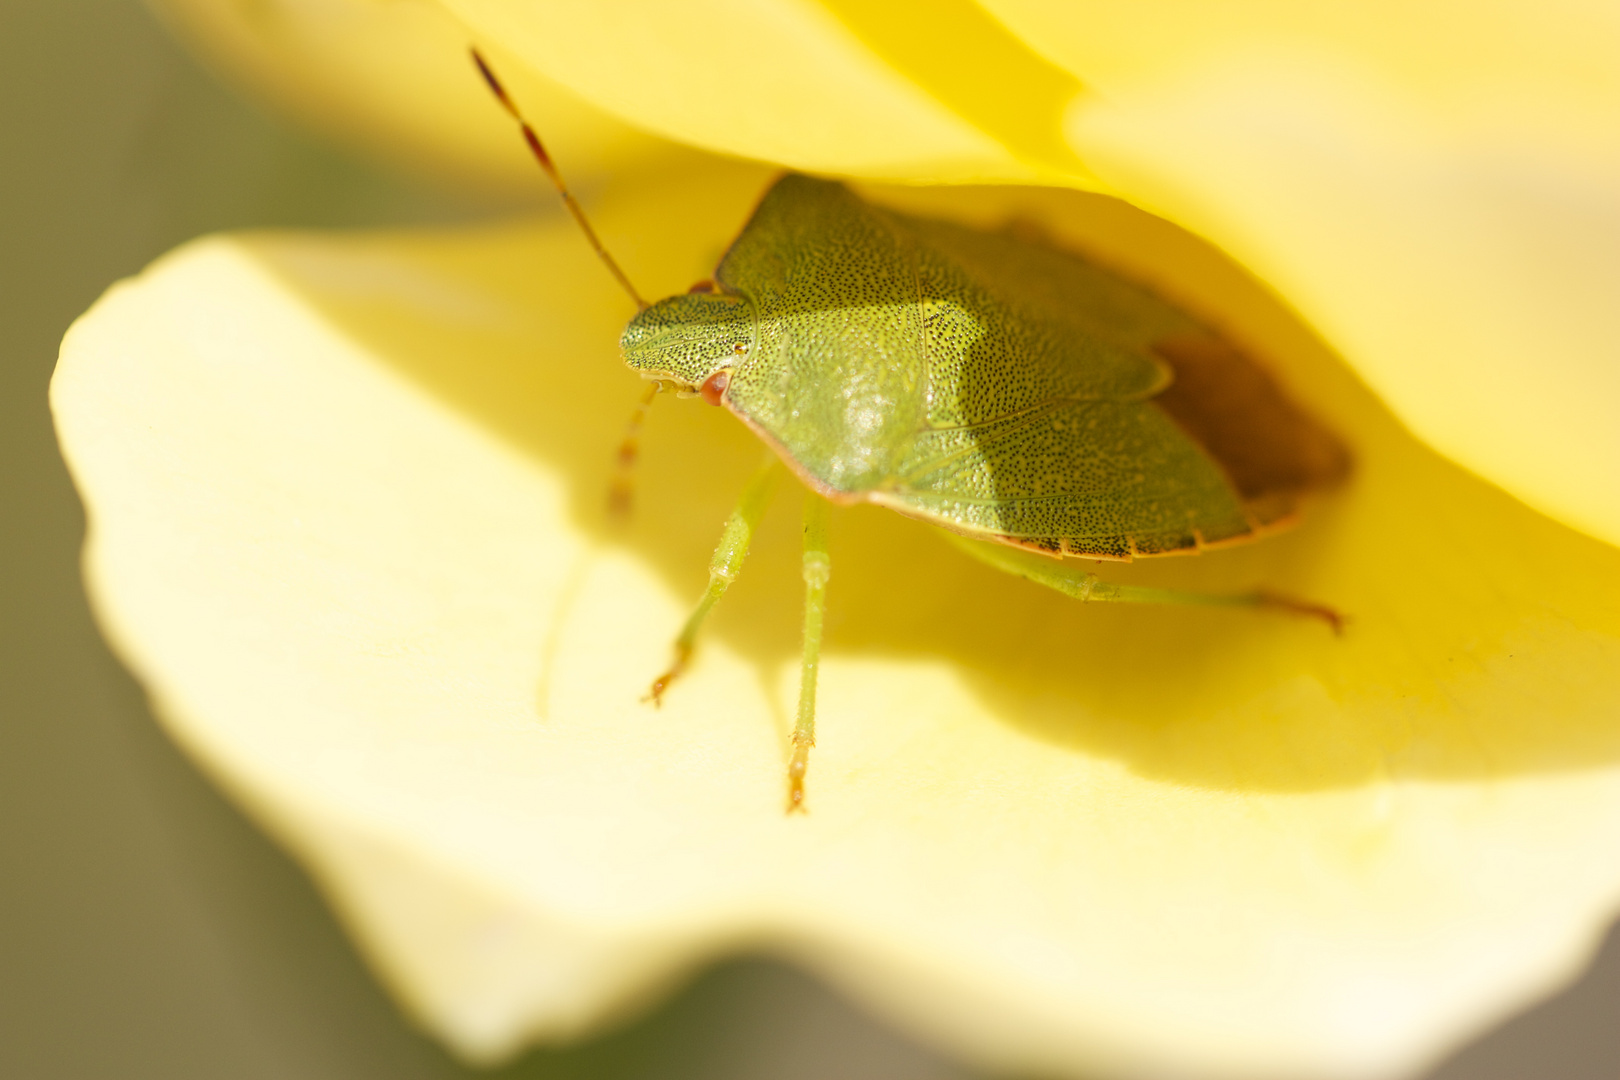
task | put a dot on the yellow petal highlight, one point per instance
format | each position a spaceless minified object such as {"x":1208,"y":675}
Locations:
{"x":971,"y":64}
{"x":346,"y":516}
{"x":395,"y":78}
{"x":783,"y":80}
{"x":1537,"y":66}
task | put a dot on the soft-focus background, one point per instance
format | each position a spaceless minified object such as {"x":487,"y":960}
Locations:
{"x":146,"y":929}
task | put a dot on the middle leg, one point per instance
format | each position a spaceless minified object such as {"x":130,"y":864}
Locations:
{"x":817,"y":569}
{"x":724,"y":566}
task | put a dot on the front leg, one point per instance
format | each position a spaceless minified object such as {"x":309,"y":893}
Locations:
{"x":817,"y":569}
{"x":724,"y":566}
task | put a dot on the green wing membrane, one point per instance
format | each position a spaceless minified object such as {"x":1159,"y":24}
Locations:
{"x":1010,"y":325}
{"x":991,"y":385}
{"x":1041,"y":429}
{"x":1105,"y":479}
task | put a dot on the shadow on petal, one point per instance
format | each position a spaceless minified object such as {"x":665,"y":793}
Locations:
{"x":1484,"y":635}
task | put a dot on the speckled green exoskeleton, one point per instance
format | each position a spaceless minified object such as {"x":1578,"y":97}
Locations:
{"x":1019,"y":396}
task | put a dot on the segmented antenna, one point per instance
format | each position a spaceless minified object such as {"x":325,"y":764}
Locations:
{"x":544,"y":158}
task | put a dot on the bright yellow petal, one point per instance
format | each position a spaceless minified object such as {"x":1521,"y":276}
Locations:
{"x":1542,"y":64}
{"x":1435,"y":186}
{"x":346,"y":517}
{"x":938,"y":91}
{"x":395,"y":77}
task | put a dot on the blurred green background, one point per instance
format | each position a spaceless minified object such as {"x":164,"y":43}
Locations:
{"x":146,"y":929}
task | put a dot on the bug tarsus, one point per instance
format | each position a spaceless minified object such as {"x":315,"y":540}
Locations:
{"x":1289,"y":605}
{"x":683,"y":654}
{"x":798,"y":765}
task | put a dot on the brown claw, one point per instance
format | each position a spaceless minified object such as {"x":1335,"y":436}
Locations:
{"x":798,"y":765}
{"x":1334,"y":619}
{"x":660,"y":684}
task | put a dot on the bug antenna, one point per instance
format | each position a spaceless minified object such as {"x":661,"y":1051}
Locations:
{"x":539,"y":150}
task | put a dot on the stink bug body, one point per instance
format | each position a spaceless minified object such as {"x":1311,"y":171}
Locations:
{"x":999,"y":388}
{"x":1016,"y":395}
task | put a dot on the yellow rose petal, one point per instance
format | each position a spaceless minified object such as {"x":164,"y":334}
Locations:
{"x":1470,"y":281}
{"x":346,"y":495}
{"x":395,"y":78}
{"x":944,"y":94}
{"x":1435,"y":186}
{"x":1537,"y":65}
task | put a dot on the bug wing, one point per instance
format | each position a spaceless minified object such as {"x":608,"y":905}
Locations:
{"x":1103,"y":479}
{"x":836,"y":378}
{"x":1003,"y":388}
{"x":1043,"y":428}
{"x":1011,"y":324}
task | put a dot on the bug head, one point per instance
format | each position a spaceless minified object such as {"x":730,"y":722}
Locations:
{"x":685,"y":339}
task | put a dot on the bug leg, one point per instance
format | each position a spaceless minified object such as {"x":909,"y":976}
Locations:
{"x":817,"y":569}
{"x":724,"y":566}
{"x":1112,"y":592}
{"x":621,"y":489}
{"x":1089,"y":588}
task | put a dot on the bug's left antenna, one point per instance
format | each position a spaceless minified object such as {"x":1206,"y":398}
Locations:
{"x":544,"y":158}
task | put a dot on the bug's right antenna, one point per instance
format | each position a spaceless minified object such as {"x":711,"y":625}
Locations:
{"x":556,"y":178}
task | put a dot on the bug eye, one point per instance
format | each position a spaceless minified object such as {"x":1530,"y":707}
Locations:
{"x":704,"y":286}
{"x":739,"y":348}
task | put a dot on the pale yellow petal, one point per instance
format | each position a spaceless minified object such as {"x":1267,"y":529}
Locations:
{"x":345,"y":498}
{"x":395,"y":77}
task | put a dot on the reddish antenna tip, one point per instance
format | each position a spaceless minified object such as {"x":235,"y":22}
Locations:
{"x":1335,"y":620}
{"x":489,"y":77}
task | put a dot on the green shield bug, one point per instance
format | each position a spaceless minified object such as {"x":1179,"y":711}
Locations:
{"x":1036,"y":406}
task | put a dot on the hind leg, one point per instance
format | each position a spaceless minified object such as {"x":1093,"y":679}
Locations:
{"x":1089,"y":588}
